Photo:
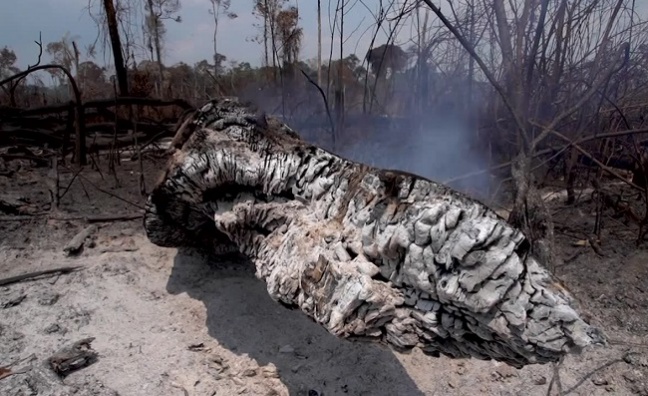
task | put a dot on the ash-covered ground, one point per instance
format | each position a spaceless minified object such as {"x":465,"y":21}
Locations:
{"x":174,"y":322}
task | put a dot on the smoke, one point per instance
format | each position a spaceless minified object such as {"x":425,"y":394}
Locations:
{"x":440,"y":147}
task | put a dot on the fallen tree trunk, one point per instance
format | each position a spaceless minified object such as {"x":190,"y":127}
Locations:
{"x":52,"y":126}
{"x":365,"y":252}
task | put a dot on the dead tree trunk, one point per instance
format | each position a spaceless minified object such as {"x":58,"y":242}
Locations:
{"x":113,"y":31}
{"x":319,"y":42}
{"x":367,"y":253}
{"x":530,"y":213}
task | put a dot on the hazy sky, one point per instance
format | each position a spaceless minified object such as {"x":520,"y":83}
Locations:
{"x":189,"y":41}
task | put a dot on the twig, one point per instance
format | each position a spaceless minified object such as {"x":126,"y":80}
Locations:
{"x":326,"y":104}
{"x":613,"y":341}
{"x":216,"y":82}
{"x":553,"y":150}
{"x":36,"y":274}
{"x":134,"y":120}
{"x":110,"y":218}
{"x":182,"y":388}
{"x":149,"y":142}
{"x":491,"y":78}
{"x":23,"y":360}
{"x":111,"y":194}
{"x":594,"y":88}
{"x":555,"y":379}
{"x":7,"y":371}
{"x":70,"y":184}
{"x":14,"y":84}
{"x":590,"y":374}
{"x":597,"y":162}
{"x":21,"y":217}
{"x":102,"y":105}
{"x":39,"y":43}
{"x":85,"y":191}
{"x":496,"y":167}
{"x":53,"y":182}
{"x":88,"y":219}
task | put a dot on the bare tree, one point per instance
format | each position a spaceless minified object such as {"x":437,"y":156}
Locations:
{"x":113,"y":30}
{"x":158,"y":12}
{"x":319,"y":42}
{"x":219,"y":8}
{"x":261,"y":10}
{"x":339,"y":92}
{"x":268,"y":11}
{"x":539,"y":47}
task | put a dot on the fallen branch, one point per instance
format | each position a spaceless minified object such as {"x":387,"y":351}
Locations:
{"x":597,"y":162}
{"x":36,"y":274}
{"x":540,"y":153}
{"x":76,"y":244}
{"x":21,"y":218}
{"x":111,"y":194}
{"x":111,"y":218}
{"x":87,"y":219}
{"x":8,"y":371}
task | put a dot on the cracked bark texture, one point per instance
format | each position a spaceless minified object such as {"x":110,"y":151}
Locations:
{"x":365,"y":252}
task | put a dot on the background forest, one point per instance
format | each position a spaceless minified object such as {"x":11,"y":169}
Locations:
{"x":446,"y":89}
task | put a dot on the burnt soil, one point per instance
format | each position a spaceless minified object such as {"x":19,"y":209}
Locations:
{"x":174,"y":322}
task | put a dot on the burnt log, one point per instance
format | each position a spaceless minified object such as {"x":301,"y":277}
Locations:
{"x":365,"y":252}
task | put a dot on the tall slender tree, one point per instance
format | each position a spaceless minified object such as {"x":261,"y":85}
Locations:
{"x":219,"y":8}
{"x":158,"y":12}
{"x":113,"y":31}
{"x":268,"y":11}
{"x":319,"y":42}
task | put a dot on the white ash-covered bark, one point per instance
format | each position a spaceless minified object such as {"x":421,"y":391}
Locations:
{"x":365,"y":252}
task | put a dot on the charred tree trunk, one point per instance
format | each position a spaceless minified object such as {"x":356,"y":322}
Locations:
{"x":113,"y":31}
{"x":530,"y":213}
{"x":319,"y":42}
{"x":367,"y":253}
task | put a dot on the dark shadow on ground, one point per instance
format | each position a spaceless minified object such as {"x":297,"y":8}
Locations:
{"x":243,"y":318}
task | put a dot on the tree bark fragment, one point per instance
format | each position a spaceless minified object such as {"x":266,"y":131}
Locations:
{"x":74,"y":246}
{"x":367,"y":253}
